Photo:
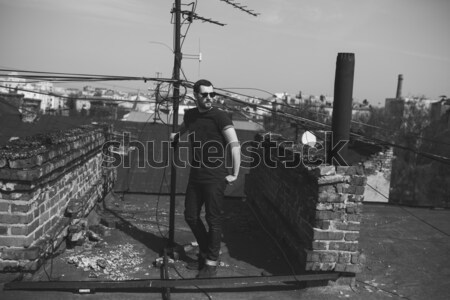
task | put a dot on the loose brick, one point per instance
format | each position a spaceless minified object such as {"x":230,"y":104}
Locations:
{"x":327,"y":235}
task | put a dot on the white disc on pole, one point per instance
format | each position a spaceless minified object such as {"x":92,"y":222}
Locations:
{"x":308,"y":138}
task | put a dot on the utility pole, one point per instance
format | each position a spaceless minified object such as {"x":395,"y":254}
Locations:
{"x":176,"y":98}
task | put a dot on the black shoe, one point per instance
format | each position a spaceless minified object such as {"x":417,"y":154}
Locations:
{"x":207,"y":272}
{"x":196,"y":264}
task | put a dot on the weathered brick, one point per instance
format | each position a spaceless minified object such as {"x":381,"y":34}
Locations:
{"x":19,"y":253}
{"x":4,"y":207}
{"x":21,"y":208}
{"x":353,"y":268}
{"x":324,"y":206}
{"x":39,"y":232}
{"x":319,"y":245}
{"x":328,"y":215}
{"x":8,"y":265}
{"x":26,"y":163}
{"x":350,"y":226}
{"x":327,"y":188}
{"x":327,"y":257}
{"x":351,"y":236}
{"x":323,"y":170}
{"x":331,"y":179}
{"x":44,"y":217}
{"x":355,"y":198}
{"x":323,"y":224}
{"x":3,"y":230}
{"x":351,"y":189}
{"x":16,"y":219}
{"x":344,"y":258}
{"x":340,"y":267}
{"x":326,"y":266}
{"x":358,"y":180}
{"x":312,"y":256}
{"x":359,"y":190}
{"x":343,"y":246}
{"x":354,"y":209}
{"x":30,"y":266}
{"x":354,"y":218}
{"x":327,"y":235}
{"x":313,"y":266}
{"x":341,"y":187}
{"x":16,"y":241}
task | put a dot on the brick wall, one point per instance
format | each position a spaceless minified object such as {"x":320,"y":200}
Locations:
{"x":40,"y":177}
{"x":314,"y":210}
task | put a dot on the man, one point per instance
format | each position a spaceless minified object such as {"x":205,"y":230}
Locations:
{"x":212,"y":137}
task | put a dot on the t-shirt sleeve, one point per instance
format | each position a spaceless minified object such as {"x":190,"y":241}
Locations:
{"x":223,"y":120}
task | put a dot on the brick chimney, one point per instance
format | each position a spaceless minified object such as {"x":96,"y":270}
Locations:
{"x":399,"y":86}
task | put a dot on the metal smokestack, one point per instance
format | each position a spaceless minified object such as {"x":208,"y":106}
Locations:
{"x":399,"y":86}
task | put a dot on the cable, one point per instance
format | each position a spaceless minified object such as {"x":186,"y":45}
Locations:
{"x":386,"y":291}
{"x":415,"y":216}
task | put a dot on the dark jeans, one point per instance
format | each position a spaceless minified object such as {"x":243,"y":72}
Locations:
{"x":212,"y":195}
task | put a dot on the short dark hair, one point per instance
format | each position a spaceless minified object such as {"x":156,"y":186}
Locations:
{"x":200,"y":82}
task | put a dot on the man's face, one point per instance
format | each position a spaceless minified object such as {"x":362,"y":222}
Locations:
{"x":204,"y":97}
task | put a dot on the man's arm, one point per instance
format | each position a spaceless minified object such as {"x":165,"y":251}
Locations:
{"x":232,"y":141}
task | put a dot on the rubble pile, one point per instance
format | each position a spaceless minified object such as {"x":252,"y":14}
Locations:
{"x":115,"y":263}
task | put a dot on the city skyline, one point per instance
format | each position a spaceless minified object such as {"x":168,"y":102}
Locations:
{"x":292,"y":46}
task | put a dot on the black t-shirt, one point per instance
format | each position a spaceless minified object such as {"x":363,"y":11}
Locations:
{"x":208,"y":163}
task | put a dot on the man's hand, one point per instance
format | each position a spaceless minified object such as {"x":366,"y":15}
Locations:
{"x":230,"y":179}
{"x":174,"y":138}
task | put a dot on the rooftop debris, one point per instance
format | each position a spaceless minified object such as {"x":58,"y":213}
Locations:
{"x":116,"y":264}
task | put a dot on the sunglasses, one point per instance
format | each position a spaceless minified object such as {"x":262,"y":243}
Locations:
{"x":204,"y":95}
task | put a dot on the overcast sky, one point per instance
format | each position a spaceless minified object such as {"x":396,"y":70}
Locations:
{"x":291,"y":46}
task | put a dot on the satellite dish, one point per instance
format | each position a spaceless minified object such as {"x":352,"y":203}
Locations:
{"x":308,"y":138}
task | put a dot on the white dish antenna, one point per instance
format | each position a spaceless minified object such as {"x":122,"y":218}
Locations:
{"x":308,"y":138}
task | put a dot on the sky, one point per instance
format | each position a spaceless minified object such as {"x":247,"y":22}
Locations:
{"x":291,"y":46}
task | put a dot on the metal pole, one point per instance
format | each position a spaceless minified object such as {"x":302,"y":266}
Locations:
{"x":176,"y":95}
{"x":342,"y":106}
